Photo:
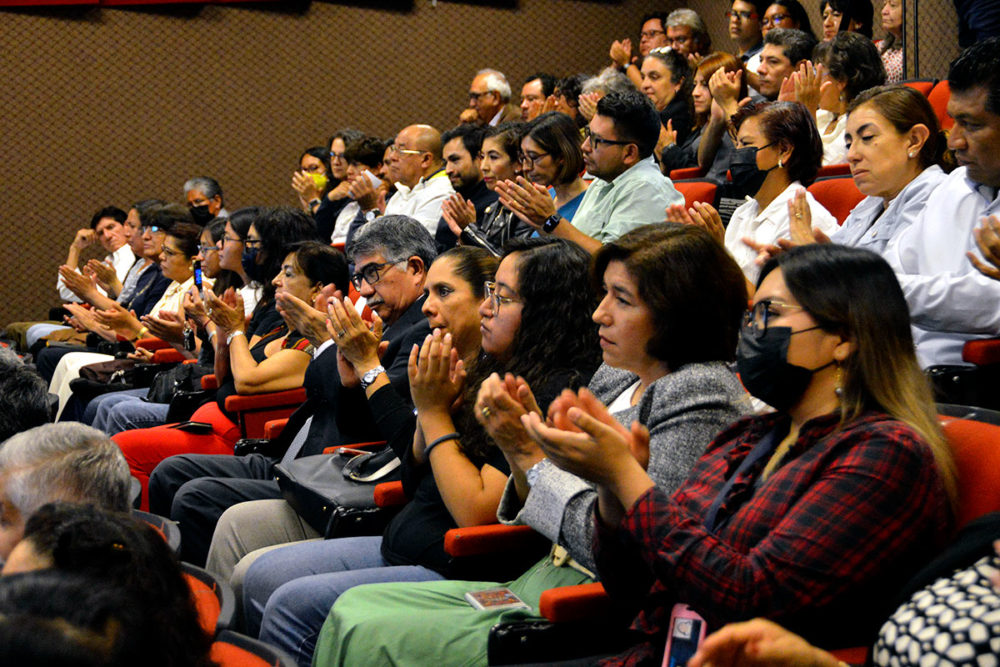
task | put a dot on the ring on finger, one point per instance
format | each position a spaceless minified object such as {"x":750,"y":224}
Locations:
{"x":486,"y":412}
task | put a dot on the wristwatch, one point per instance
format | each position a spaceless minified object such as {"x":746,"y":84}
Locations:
{"x":551,"y":223}
{"x":371,"y":215}
{"x":368,"y":378}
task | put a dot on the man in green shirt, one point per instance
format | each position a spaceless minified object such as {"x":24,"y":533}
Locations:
{"x":628,"y":191}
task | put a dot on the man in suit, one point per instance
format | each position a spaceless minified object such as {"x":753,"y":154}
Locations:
{"x":392,"y":255}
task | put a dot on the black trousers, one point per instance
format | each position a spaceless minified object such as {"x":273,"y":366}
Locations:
{"x":195,"y":489}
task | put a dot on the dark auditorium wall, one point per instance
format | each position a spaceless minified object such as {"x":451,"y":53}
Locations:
{"x":109,"y":106}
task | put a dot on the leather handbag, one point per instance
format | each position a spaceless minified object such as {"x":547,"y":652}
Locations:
{"x":321,"y":489}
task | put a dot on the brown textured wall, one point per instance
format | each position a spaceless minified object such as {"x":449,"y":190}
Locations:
{"x":110,"y":106}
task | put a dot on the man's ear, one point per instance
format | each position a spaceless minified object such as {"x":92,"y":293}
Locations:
{"x":631,"y":154}
{"x":417,"y":265}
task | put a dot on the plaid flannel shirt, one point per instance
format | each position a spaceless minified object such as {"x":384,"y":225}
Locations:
{"x":820,"y":546}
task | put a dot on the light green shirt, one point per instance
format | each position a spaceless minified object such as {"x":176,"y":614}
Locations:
{"x":637,"y":197}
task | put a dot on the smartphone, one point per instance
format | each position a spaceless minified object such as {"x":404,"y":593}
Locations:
{"x":373,"y":179}
{"x":197,"y":278}
{"x":686,"y":632}
{"x":193,"y":427}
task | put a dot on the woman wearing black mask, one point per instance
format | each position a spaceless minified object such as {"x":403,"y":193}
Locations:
{"x":812,"y":516}
{"x":204,"y":199}
{"x":778,"y":150}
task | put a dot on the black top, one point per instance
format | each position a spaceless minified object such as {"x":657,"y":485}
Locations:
{"x":148,"y":289}
{"x":415,"y":536}
{"x":679,"y":113}
{"x":326,"y":216}
{"x":481,"y":197}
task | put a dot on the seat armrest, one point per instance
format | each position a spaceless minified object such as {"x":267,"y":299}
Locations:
{"x":575,"y":603}
{"x":167,"y":356}
{"x":982,"y":352}
{"x":273,"y":428}
{"x":390,"y":494}
{"x":152,"y":344}
{"x":479,"y":540}
{"x":857,"y":655}
{"x":242,"y":403}
{"x":209,"y":382}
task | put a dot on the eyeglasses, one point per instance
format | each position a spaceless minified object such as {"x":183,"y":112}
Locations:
{"x":742,"y":15}
{"x":774,"y":20}
{"x":476,"y":96}
{"x":170,"y":252}
{"x":250,"y":244}
{"x":335,"y":156}
{"x":490,"y":293}
{"x":596,"y":141}
{"x":152,"y":229}
{"x":371,"y":273}
{"x":763,"y":311}
{"x":650,"y":34}
{"x":394,"y":149}
{"x":205,"y":249}
{"x":231,"y":239}
{"x":530,"y":158}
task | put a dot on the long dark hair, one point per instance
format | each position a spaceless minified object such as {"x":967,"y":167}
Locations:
{"x":556,"y":335}
{"x":279,"y":227}
{"x":853,"y":292}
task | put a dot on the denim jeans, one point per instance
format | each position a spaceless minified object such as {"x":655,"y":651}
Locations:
{"x":288,"y":592}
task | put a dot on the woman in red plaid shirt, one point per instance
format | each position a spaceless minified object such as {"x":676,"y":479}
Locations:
{"x":812,"y":516}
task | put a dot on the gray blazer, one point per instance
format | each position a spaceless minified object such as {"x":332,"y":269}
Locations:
{"x":683,"y":411}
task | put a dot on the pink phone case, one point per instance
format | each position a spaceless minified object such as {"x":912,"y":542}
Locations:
{"x":685,"y":633}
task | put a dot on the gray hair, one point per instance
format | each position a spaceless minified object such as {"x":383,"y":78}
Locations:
{"x":395,"y":237}
{"x":67,"y":461}
{"x":610,"y":80}
{"x":496,"y":82}
{"x":9,"y":359}
{"x":690,"y":19}
{"x":205,"y":185}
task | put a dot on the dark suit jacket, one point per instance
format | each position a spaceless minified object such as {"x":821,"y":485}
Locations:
{"x":341,"y":415}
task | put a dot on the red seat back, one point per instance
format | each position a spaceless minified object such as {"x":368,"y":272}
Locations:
{"x":938,"y":97}
{"x":703,"y":191}
{"x":922,"y":86}
{"x":975,"y":447}
{"x":838,"y":195}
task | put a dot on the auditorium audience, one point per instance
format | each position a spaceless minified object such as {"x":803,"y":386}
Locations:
{"x":836,"y":314}
{"x":499,"y":161}
{"x":950,"y":302}
{"x":536,"y":324}
{"x":461,"y":150}
{"x":777,"y":150}
{"x":628,"y":190}
{"x":195,"y":489}
{"x":264,"y":355}
{"x":664,"y":371}
{"x":851,"y":476}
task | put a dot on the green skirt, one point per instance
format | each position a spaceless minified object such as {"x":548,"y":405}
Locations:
{"x":428,"y":623}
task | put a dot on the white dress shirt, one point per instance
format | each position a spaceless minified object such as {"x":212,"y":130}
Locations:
{"x":423,"y":201}
{"x":122,"y":259}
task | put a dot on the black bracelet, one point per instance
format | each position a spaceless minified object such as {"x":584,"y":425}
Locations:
{"x":435,"y":443}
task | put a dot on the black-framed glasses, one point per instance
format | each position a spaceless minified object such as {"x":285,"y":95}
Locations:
{"x":742,"y":15}
{"x":650,"y":34}
{"x":490,"y":293}
{"x":596,"y":141}
{"x":530,"y":158}
{"x":231,"y":239}
{"x":774,"y":20}
{"x":764,"y":311}
{"x":251,"y":244}
{"x":371,"y":273}
{"x":205,"y":249}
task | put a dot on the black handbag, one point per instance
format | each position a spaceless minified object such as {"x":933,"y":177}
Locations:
{"x":321,"y":490}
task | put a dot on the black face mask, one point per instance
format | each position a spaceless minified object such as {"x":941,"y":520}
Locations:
{"x":201,"y":214}
{"x":762,"y":361}
{"x":747,"y":177}
{"x":250,"y":266}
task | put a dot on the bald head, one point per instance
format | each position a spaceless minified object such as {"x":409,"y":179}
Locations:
{"x":418,"y":154}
